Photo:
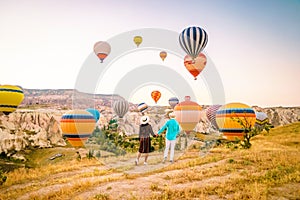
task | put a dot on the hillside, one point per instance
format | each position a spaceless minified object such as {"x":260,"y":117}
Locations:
{"x":269,"y":170}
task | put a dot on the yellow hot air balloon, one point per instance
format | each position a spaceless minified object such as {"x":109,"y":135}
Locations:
{"x":227,"y":116}
{"x":188,"y":114}
{"x":11,"y":97}
{"x":77,"y":126}
{"x":163,"y":55}
{"x":138,"y":40}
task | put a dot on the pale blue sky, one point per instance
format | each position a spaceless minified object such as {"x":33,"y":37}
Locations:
{"x":255,"y":45}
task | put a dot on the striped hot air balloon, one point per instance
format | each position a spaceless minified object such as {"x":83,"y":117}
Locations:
{"x":121,"y":107}
{"x":102,"y":50}
{"x":227,"y":116}
{"x":142,"y":107}
{"x":77,"y":126}
{"x":94,"y":112}
{"x":195,"y":66}
{"x":187,"y":114}
{"x":261,"y":120}
{"x":11,"y":97}
{"x":193,"y":40}
{"x":173,"y":101}
{"x":211,"y":115}
{"x":155,"y":95}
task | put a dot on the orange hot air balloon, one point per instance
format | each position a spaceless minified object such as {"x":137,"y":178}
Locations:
{"x":196,"y":66}
{"x":156,"y":95}
{"x":163,"y":55}
{"x":188,"y":114}
{"x":102,"y":49}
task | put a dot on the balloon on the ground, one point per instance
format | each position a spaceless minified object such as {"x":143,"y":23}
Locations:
{"x":102,"y":49}
{"x":121,"y":107}
{"x":262,"y":119}
{"x":138,"y":40}
{"x":77,"y":126}
{"x":155,"y":95}
{"x":193,"y":40}
{"x":211,"y":115}
{"x":94,"y":112}
{"x":195,"y":66}
{"x":163,"y":55}
{"x":227,"y":118}
{"x":187,"y":114}
{"x":11,"y":97}
{"x":142,"y":107}
{"x":173,"y":101}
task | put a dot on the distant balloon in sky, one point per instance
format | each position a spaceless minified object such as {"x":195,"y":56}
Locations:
{"x":121,"y":107}
{"x":94,"y":112}
{"x":142,"y":107}
{"x":77,"y":126}
{"x":163,"y":55}
{"x":138,"y":40}
{"x":102,"y":50}
{"x":11,"y":97}
{"x":188,"y":114}
{"x":227,"y":116}
{"x":173,"y":101}
{"x":211,"y":115}
{"x":155,"y":95}
{"x":195,"y":66}
{"x":193,"y":40}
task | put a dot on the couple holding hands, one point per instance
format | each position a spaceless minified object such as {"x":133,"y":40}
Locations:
{"x":173,"y":129}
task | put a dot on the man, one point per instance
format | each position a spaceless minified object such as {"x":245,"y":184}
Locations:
{"x":173,"y":130}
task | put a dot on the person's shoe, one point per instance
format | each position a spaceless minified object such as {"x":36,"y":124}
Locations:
{"x":164,"y":160}
{"x":136,"y":161}
{"x":145,"y":163}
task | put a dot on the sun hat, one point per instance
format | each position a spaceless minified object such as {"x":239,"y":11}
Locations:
{"x":172,"y":115}
{"x":145,"y":119}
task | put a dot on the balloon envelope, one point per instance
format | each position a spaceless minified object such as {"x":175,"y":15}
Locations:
{"x":163,"y":55}
{"x":173,"y":101}
{"x":138,"y":40}
{"x":77,"y":126}
{"x":94,"y":112}
{"x":261,"y":118}
{"x":211,"y":115}
{"x":195,"y":66}
{"x":11,"y":97}
{"x":193,"y":40}
{"x":155,"y":95}
{"x":102,"y":49}
{"x":121,"y":107}
{"x":187,"y":113}
{"x":227,"y":116}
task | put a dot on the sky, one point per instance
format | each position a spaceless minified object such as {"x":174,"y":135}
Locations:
{"x":254,"y":46}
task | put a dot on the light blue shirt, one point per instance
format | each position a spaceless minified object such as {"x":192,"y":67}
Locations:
{"x":172,"y":127}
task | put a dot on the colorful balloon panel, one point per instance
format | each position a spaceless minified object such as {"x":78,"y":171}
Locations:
{"x":261,"y":118}
{"x":193,"y":40}
{"x":11,"y":97}
{"x":142,"y":107}
{"x":211,"y":115}
{"x":102,"y":49}
{"x":94,"y":112}
{"x":173,"y":101}
{"x":227,"y":116}
{"x":163,"y":55}
{"x":187,"y":113}
{"x":195,"y":66}
{"x":121,"y":107}
{"x":155,"y":95}
{"x":77,"y":126}
{"x":138,"y":40}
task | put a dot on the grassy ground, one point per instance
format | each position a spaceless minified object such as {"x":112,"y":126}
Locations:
{"x":269,"y":170}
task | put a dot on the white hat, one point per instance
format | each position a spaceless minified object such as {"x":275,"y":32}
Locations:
{"x":145,"y":119}
{"x":172,"y":115}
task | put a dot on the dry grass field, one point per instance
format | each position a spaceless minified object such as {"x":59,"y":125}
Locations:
{"x":270,"y":169}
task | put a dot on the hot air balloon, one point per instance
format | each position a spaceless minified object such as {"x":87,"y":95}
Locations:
{"x":227,"y":116}
{"x":11,"y":97}
{"x":155,"y":95}
{"x":77,"y":126}
{"x":193,"y":40}
{"x":195,"y":66}
{"x":94,"y":112}
{"x":187,"y":114}
{"x":173,"y":101}
{"x":163,"y":55}
{"x":261,"y":120}
{"x":121,"y":107}
{"x":211,"y":115}
{"x":102,"y":50}
{"x":142,"y":107}
{"x":138,"y":40}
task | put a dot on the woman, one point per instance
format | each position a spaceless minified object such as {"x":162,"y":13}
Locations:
{"x":144,"y":135}
{"x":173,"y":130}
